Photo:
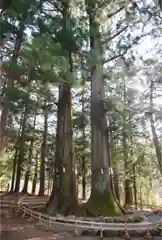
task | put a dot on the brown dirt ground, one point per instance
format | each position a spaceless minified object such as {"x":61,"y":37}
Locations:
{"x":14,"y":227}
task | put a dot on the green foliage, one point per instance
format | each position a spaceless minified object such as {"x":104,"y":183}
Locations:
{"x":52,"y":53}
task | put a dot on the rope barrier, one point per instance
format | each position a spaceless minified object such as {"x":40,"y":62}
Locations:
{"x":24,"y":207}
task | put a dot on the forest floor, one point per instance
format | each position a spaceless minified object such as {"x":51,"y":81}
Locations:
{"x":14,"y":227}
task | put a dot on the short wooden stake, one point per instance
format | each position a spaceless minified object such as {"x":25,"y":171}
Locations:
{"x":49,"y":228}
{"x":101,"y":231}
{"x":39,"y":220}
{"x":18,"y":210}
{"x":148,"y":235}
{"x":23,"y":215}
{"x":76,"y":228}
{"x":126,"y":235}
{"x":40,"y":217}
{"x":31,"y":217}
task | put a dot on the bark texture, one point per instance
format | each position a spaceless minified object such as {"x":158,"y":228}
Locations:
{"x":102,"y":200}
{"x":20,"y":155}
{"x":34,"y":181}
{"x":43,"y":153}
{"x":156,"y":141}
{"x":63,"y":198}
{"x":27,"y":173}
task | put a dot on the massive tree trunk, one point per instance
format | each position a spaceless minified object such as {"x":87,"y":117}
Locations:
{"x":43,"y":153}
{"x":10,"y":82}
{"x":27,"y":173}
{"x":102,"y":200}
{"x":63,"y":197}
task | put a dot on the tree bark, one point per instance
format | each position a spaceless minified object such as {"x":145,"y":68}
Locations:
{"x":83,"y":142}
{"x":116,"y":183}
{"x":127,"y":182}
{"x":43,"y":153}
{"x":102,"y":200}
{"x":20,"y":159}
{"x":34,"y":182}
{"x":135,"y":185}
{"x":63,"y":197}
{"x":15,"y":157}
{"x":158,"y":148}
{"x":27,"y":174}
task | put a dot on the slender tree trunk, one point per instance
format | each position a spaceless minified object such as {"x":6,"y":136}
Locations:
{"x":116,"y":183}
{"x":15,"y":159}
{"x":14,"y":168}
{"x":21,"y":151}
{"x":158,"y":148}
{"x":20,"y":159}
{"x":10,"y":82}
{"x":34,"y":182}
{"x":27,"y":174}
{"x":43,"y":153}
{"x":83,"y":142}
{"x":134,"y":185}
{"x":102,"y":200}
{"x":127,"y":181}
{"x":83,"y":179}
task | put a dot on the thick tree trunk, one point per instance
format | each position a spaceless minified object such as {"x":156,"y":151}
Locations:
{"x":102,"y":200}
{"x":63,"y":197}
{"x":43,"y":153}
{"x":10,"y":82}
{"x":26,"y":181}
